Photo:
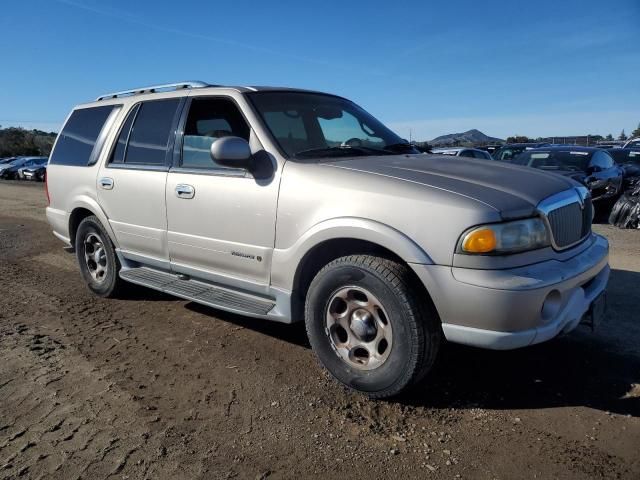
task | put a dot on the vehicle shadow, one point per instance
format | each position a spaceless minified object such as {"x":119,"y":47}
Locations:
{"x":134,"y":292}
{"x":599,"y":370}
{"x":290,"y":333}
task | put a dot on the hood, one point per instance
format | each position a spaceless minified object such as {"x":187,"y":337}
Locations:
{"x":512,"y":190}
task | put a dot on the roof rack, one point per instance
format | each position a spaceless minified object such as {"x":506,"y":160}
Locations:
{"x":155,"y":88}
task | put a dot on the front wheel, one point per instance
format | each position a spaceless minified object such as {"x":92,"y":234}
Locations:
{"x":369,"y":325}
{"x":97,"y":258}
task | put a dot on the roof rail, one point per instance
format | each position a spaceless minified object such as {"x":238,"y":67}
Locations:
{"x":155,"y":88}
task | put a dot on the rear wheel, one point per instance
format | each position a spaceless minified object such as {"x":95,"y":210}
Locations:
{"x":97,"y":258}
{"x":370,"y":326}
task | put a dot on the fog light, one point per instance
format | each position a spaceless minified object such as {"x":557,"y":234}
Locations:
{"x":550,"y":306}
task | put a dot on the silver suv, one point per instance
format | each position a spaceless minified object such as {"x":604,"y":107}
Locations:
{"x":293,"y":205}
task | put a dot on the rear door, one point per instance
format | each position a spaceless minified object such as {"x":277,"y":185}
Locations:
{"x":131,"y":183}
{"x":223,"y":227}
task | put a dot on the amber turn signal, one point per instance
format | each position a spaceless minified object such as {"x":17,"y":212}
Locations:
{"x":480,"y":241}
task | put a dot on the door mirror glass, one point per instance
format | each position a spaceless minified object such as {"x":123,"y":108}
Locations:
{"x":231,"y":151}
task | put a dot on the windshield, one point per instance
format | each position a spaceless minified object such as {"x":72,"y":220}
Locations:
{"x":555,"y":160}
{"x":312,"y":125}
{"x":18,"y":162}
{"x":508,"y":154}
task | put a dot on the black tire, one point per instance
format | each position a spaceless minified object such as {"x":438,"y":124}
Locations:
{"x":416,"y":328}
{"x":110,"y":284}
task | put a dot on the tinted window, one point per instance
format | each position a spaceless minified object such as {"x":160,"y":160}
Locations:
{"x":602,"y":160}
{"x":210,"y":119}
{"x":78,"y":137}
{"x":466,"y":153}
{"x":624,"y":155}
{"x":151,"y":132}
{"x":288,"y":128}
{"x":121,"y":144}
{"x":555,"y":159}
{"x":509,"y":154}
{"x":481,"y":155}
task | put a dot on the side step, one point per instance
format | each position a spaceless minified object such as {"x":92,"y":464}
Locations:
{"x":199,"y":292}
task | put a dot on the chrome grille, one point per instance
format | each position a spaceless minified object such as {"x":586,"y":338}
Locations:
{"x":587,"y":217}
{"x":569,"y":219}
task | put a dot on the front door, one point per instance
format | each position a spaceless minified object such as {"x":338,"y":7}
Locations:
{"x":221,"y":220}
{"x":131,"y":184}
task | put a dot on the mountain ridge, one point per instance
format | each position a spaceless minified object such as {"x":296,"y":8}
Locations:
{"x":470,"y":137}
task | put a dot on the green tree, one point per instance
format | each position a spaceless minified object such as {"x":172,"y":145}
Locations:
{"x":18,"y":141}
{"x":622,"y":136}
{"x":609,"y":137}
{"x":517,"y":139}
{"x":636,"y":132}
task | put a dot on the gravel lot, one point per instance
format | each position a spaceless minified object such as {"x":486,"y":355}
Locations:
{"x":155,"y":387}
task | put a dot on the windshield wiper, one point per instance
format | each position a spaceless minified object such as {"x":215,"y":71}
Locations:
{"x":342,"y":150}
{"x":568,"y":168}
{"x":399,"y":146}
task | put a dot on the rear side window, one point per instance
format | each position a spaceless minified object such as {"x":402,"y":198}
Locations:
{"x":151,"y":132}
{"x":78,"y":137}
{"x":121,"y":144}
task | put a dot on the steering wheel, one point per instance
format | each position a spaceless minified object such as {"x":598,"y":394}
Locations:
{"x":352,"y":142}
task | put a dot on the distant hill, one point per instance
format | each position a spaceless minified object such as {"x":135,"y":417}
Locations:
{"x":18,"y":141}
{"x":472,"y":137}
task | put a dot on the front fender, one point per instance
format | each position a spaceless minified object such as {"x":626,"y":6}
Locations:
{"x":285,"y":261}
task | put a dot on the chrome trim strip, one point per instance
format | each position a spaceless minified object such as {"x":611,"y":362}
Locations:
{"x":138,"y":166}
{"x":559,"y":200}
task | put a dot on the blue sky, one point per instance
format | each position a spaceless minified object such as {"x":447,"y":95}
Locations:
{"x":536,"y":68}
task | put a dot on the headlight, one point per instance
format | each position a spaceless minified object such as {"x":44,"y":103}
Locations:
{"x":508,"y":237}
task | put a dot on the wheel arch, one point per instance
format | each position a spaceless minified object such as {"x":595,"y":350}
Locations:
{"x":298,"y":265}
{"x":83,"y":208}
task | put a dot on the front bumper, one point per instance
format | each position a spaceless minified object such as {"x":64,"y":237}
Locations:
{"x":513,"y":308}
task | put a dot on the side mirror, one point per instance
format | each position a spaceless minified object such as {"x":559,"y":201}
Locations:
{"x":231,"y":152}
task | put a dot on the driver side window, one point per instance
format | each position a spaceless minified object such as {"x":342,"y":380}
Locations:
{"x":210,"y":119}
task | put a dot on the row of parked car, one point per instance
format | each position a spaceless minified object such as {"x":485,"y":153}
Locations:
{"x":23,"y":168}
{"x":605,"y":171}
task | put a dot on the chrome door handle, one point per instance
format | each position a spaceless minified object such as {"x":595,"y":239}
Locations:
{"x":106,"y":183}
{"x":185,"y":191}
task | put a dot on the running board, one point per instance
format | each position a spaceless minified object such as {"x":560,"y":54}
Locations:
{"x":199,"y":292}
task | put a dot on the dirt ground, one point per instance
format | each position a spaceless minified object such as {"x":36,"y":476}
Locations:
{"x":156,"y":387}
